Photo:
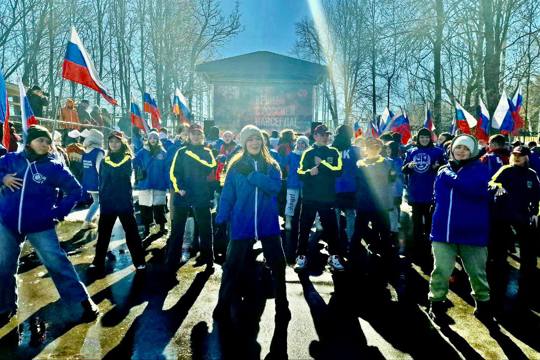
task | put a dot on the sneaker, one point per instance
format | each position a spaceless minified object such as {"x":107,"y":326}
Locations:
{"x":186,"y":255}
{"x":88,"y":225}
{"x":90,"y":310}
{"x":484,"y":313}
{"x":288,"y":223}
{"x":301,"y":263}
{"x":335,"y":263}
{"x":437,"y":313}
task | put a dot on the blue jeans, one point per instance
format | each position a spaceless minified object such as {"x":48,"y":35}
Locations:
{"x":92,"y":210}
{"x":52,"y":256}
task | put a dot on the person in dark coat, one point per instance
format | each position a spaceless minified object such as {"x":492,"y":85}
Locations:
{"x":189,"y":173}
{"x":116,"y":201}
{"x":38,"y":100}
{"x":516,"y":189}
{"x":29,"y":210}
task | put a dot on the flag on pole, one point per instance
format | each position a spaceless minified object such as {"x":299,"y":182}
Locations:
{"x":357,"y":127}
{"x":464,"y":120}
{"x":502,"y":119}
{"x":137,"y":119}
{"x":150,"y":106}
{"x":27,"y":115}
{"x":400,"y":124}
{"x":78,"y":67}
{"x":4,"y":112}
{"x":428,"y":122}
{"x":482,"y":128}
{"x":181,"y":107}
{"x":384,"y":120}
{"x":517,"y":102}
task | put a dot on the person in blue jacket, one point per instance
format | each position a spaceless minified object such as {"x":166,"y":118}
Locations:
{"x":294,"y":184}
{"x":152,"y":184}
{"x":91,"y":160}
{"x":345,"y":183}
{"x":249,"y":204}
{"x":190,"y":174}
{"x":420,"y":166}
{"x":461,"y":227}
{"x":29,"y":209}
{"x":393,"y":153}
{"x":116,"y":202}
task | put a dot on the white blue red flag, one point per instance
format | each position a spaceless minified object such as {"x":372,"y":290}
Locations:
{"x":464,"y":120}
{"x":428,"y":122}
{"x":4,"y":111}
{"x":357,"y":127}
{"x":150,"y":106}
{"x":181,"y":106}
{"x":400,"y":124}
{"x":482,"y":115}
{"x":78,"y":67}
{"x":517,"y":102}
{"x":502,"y":119}
{"x":27,"y":115}
{"x":384,"y":120}
{"x":137,"y":119}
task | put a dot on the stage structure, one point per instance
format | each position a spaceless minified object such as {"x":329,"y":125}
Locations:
{"x":269,"y":90}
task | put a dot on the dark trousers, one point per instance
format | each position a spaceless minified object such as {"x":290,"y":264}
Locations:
{"x":329,"y":223}
{"x":151,"y":213}
{"x":501,"y":240}
{"x":203,"y":222}
{"x":133,"y":241}
{"x":240,"y":257}
{"x":419,"y":246}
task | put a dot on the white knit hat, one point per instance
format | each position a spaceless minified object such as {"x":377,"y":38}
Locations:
{"x":93,"y":137}
{"x":468,"y":141}
{"x":247,"y":131}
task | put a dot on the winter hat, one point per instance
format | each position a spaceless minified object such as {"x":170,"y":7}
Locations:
{"x":468,"y":141}
{"x":85,"y":133}
{"x":93,"y":137}
{"x":247,"y":131}
{"x":303,"y":139}
{"x":153,"y":133}
{"x":74,"y":134}
{"x":37,"y":131}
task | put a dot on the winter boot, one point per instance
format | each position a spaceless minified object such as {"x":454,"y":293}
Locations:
{"x":484,"y":313}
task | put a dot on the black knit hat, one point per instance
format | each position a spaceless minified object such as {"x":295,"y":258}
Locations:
{"x":37,"y":131}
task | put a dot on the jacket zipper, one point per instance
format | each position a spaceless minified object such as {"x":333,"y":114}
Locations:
{"x":22,"y":196}
{"x":449,"y":216}
{"x":256,"y":205}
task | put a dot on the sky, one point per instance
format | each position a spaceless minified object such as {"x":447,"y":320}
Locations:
{"x":268,"y":25}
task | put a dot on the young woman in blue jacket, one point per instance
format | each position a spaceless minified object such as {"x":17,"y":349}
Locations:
{"x":249,"y":204}
{"x":461,"y":227}
{"x":116,"y":194}
{"x":151,"y":163}
{"x":29,"y":209}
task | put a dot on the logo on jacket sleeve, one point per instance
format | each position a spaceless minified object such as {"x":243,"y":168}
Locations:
{"x":422,"y":162}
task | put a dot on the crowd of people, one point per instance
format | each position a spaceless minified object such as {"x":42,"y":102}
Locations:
{"x":468,"y":202}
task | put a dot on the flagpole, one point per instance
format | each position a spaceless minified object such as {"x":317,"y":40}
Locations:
{"x":55,"y":124}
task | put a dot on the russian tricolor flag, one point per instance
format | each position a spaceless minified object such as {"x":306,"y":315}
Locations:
{"x":150,"y":106}
{"x":357,"y":129}
{"x":27,"y":115}
{"x":78,"y":67}
{"x":137,"y":119}
{"x":384,"y":121}
{"x":180,"y":106}
{"x":502,"y":117}
{"x":482,"y":128}
{"x":4,"y":112}
{"x":428,"y":122}
{"x":464,"y":120}
{"x":517,"y":102}
{"x":400,"y":124}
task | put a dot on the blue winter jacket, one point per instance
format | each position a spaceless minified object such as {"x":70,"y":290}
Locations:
{"x":35,"y":206}
{"x":422,"y":176}
{"x":292,"y":163}
{"x":156,"y":168}
{"x":115,"y":190}
{"x":461,"y":213}
{"x":346,"y":183}
{"x":397,"y":188}
{"x":249,"y":202}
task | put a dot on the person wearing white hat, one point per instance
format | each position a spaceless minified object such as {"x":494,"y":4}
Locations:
{"x":91,"y":160}
{"x":461,"y":228}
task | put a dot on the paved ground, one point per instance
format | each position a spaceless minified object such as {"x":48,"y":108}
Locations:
{"x":152,"y":318}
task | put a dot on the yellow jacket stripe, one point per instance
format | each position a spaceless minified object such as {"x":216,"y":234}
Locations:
{"x":300,"y":170}
{"x":493,"y":183}
{"x":339,"y":161}
{"x":171,"y":173}
{"x":196,"y":157}
{"x":113,"y":164}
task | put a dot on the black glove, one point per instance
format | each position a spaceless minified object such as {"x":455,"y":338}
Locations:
{"x":244,"y":167}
